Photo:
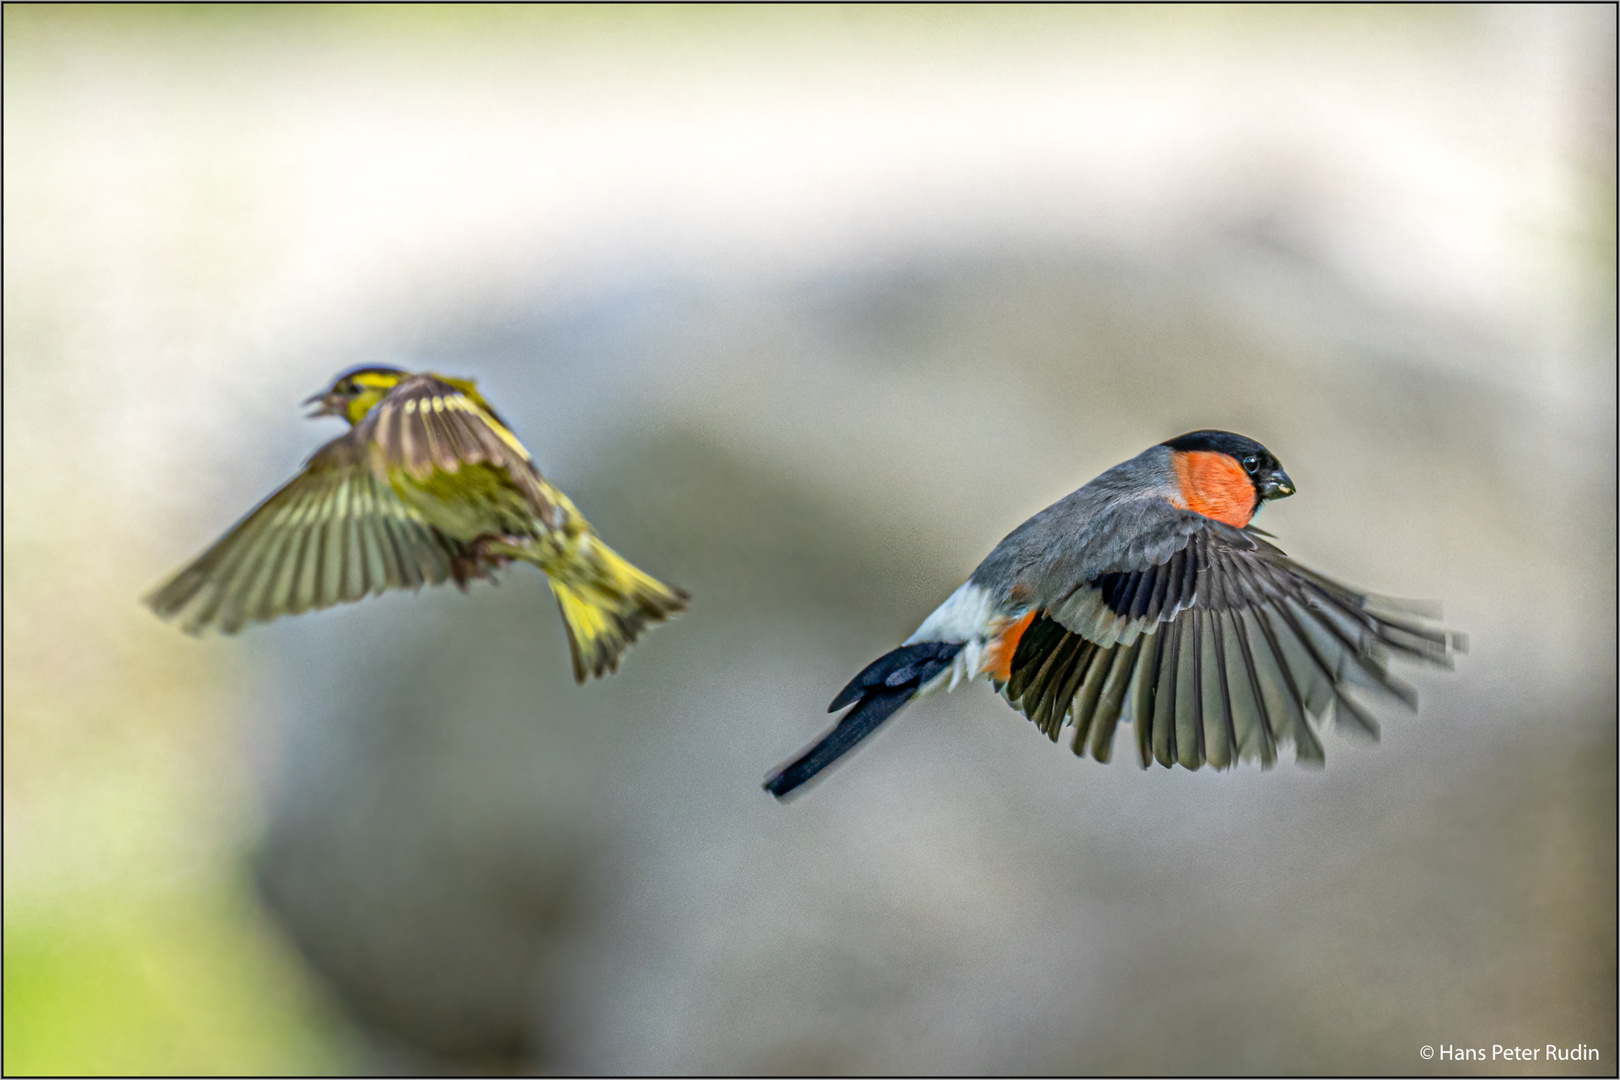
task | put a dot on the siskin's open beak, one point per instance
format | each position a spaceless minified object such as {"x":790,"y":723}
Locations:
{"x":1277,"y":485}
{"x":327,"y":404}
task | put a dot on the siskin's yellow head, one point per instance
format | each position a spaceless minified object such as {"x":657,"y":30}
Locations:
{"x":357,"y":392}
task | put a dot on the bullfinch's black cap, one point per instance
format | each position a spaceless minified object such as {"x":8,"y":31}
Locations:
{"x":1222,"y":442}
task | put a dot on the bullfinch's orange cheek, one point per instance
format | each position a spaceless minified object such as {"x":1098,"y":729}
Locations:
{"x":1215,"y":485}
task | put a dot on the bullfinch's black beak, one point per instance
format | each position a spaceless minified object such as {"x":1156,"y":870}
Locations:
{"x":1276,"y":485}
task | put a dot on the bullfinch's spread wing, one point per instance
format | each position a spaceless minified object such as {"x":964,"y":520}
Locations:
{"x":1217,"y":649}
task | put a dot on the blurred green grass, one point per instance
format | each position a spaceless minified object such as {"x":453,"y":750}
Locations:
{"x":180,"y":982}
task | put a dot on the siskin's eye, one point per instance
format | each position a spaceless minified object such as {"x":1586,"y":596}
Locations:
{"x":1251,"y":463}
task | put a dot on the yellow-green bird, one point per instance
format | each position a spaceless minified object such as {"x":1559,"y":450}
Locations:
{"x":428,"y":484}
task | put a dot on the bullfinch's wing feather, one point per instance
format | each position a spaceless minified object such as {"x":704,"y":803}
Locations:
{"x":426,"y":425}
{"x":334,"y":533}
{"x":1219,"y":650}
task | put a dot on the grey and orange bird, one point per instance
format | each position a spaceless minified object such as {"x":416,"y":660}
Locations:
{"x":1148,"y":596}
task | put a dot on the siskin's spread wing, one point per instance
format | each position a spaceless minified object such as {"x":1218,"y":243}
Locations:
{"x":1220,"y":650}
{"x":335,"y":533}
{"x":425,"y":425}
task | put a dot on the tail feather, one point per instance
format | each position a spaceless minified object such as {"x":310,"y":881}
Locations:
{"x":877,"y":694}
{"x":909,"y":665}
{"x":855,"y":725}
{"x":606,"y":603}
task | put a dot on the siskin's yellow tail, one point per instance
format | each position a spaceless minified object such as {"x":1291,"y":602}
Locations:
{"x":605,"y":603}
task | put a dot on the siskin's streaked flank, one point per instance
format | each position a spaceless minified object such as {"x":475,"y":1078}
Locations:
{"x":428,"y":485}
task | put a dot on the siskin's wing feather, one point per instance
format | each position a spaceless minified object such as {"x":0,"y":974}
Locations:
{"x":426,"y":425}
{"x":336,"y":532}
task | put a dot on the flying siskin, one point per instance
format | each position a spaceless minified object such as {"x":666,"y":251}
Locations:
{"x":428,"y":485}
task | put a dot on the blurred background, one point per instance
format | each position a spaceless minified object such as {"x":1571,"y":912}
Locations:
{"x":806,"y":308}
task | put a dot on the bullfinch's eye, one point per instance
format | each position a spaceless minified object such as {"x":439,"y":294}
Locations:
{"x":1251,"y":463}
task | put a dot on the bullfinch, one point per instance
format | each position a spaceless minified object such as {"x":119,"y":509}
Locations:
{"x":1148,"y":596}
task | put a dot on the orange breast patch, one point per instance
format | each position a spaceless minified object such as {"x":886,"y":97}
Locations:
{"x":1214,"y":485}
{"x":998,"y":657}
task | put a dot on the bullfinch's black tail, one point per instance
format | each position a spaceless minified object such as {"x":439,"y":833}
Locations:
{"x":876,"y":707}
{"x":877,"y":694}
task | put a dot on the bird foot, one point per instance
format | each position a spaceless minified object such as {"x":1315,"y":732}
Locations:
{"x":477,"y":564}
